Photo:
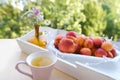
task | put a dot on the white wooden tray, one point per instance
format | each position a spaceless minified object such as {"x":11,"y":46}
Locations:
{"x":78,"y":66}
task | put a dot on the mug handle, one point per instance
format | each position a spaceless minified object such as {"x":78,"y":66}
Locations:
{"x":21,"y":71}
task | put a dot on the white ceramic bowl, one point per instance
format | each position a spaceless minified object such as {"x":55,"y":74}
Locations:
{"x":82,"y":58}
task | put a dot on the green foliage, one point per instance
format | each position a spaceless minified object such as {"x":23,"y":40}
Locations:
{"x":97,"y":17}
{"x":64,"y":14}
{"x":112,"y":18}
{"x":9,"y":19}
{"x":11,"y":24}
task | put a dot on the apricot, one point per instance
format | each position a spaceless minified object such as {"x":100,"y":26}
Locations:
{"x":78,"y":49}
{"x":85,"y":51}
{"x":93,"y":50}
{"x":71,"y":33}
{"x":80,"y":44}
{"x":88,"y":43}
{"x":57,"y":40}
{"x":67,"y":45}
{"x":72,"y":38}
{"x":97,"y":41}
{"x":112,"y":53}
{"x":100,"y":53}
{"x":80,"y":40}
{"x":107,"y":46}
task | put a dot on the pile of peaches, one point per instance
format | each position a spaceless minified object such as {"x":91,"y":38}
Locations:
{"x":72,"y":43}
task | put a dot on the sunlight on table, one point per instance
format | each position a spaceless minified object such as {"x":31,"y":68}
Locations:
{"x":10,"y":54}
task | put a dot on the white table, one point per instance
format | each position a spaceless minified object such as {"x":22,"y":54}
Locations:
{"x":10,"y":54}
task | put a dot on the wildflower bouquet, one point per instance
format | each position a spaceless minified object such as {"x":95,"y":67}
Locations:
{"x":34,"y":17}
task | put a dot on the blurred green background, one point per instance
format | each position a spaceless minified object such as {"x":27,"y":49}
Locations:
{"x":97,"y":17}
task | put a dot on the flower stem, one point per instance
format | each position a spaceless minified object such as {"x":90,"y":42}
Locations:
{"x":36,"y":31}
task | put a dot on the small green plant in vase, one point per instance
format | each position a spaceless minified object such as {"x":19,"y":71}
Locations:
{"x":34,"y":17}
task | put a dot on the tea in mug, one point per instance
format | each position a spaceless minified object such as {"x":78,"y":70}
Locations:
{"x":41,"y":61}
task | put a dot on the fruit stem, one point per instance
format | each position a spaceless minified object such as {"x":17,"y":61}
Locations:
{"x":36,"y":31}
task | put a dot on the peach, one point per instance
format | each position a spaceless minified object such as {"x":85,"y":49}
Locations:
{"x":93,"y":50}
{"x":85,"y":51}
{"x":107,"y":46}
{"x":110,"y":55}
{"x":78,"y":49}
{"x":97,"y":41}
{"x":88,"y":43}
{"x":113,"y":51}
{"x":67,"y":45}
{"x":72,"y":38}
{"x":80,"y":40}
{"x":57,"y":40}
{"x":71,"y":33}
{"x":100,"y":53}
